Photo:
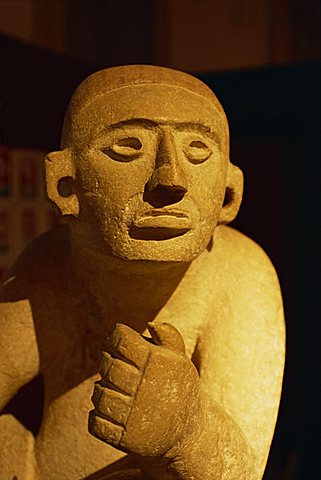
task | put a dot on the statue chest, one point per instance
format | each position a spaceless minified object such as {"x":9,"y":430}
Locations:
{"x":65,"y":449}
{"x":64,"y":444}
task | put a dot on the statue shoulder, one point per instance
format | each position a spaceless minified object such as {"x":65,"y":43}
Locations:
{"x":39,"y":263}
{"x":240,"y":256}
{"x":246,"y":327}
{"x":244,"y":278}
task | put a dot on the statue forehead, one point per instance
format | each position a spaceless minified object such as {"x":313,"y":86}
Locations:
{"x":110,"y":79}
{"x":138,"y":91}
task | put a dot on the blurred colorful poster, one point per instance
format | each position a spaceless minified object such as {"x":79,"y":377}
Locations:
{"x":28,"y":175}
{"x":23,"y":208}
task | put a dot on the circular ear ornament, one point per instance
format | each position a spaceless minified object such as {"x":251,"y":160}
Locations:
{"x":233,"y":195}
{"x":59,"y":181}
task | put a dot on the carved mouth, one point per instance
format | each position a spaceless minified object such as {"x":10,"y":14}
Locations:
{"x":171,"y":212}
{"x":160,"y":225}
{"x":156,"y":233}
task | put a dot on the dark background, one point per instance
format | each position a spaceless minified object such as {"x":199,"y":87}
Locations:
{"x":273,"y":110}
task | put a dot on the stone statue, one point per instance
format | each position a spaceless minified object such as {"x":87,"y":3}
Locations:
{"x":183,"y":314}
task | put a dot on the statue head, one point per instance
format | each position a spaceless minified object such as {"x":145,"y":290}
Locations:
{"x":144,"y":170}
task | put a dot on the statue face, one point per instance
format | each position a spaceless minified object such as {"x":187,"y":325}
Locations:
{"x":150,"y":173}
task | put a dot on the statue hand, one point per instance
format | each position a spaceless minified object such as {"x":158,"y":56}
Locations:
{"x":148,"y":398}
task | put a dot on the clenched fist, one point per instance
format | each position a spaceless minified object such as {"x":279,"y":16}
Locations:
{"x":148,"y":399}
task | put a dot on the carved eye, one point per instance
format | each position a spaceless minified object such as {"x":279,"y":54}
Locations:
{"x":197,"y":151}
{"x":124,"y":149}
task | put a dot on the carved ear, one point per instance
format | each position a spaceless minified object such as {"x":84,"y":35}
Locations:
{"x":233,"y":194}
{"x":59,"y":182}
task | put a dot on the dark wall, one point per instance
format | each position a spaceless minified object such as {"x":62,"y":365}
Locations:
{"x":35,"y":87}
{"x":275,"y":133}
{"x":112,"y":32}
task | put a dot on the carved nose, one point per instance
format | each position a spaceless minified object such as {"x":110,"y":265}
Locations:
{"x":168,"y":177}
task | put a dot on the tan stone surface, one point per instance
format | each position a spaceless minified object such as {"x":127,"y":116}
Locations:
{"x":16,"y":452}
{"x":180,"y":314}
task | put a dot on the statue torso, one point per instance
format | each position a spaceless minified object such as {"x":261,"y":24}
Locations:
{"x":71,"y":332}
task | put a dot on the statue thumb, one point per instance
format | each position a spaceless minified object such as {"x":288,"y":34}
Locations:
{"x":164,"y":334}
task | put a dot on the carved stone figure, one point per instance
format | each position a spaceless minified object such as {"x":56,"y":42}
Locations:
{"x":183,"y":313}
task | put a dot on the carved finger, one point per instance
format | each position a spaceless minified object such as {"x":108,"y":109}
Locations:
{"x":104,"y":429}
{"x":129,"y":344}
{"x":123,"y":377}
{"x":105,"y":364}
{"x":166,"y":335}
{"x":111,"y":405}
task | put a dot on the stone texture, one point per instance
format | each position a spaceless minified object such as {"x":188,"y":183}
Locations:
{"x":144,"y":283}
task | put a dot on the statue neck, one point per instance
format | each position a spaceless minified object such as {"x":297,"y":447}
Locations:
{"x":125,"y":291}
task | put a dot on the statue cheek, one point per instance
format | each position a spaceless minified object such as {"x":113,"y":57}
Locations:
{"x":211,"y":200}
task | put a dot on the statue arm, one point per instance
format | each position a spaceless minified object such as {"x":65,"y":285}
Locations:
{"x":240,"y":359}
{"x":217,"y":450}
{"x":214,"y":423}
{"x":19,"y":363}
{"x":240,"y":354}
{"x":176,"y":431}
{"x":19,"y":356}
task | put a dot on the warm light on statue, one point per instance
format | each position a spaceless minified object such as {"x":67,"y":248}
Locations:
{"x":190,"y":374}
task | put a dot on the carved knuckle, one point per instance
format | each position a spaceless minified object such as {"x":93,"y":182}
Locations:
{"x":123,"y":333}
{"x":105,"y":430}
{"x":105,"y":364}
{"x":134,"y":353}
{"x":123,"y":376}
{"x":112,"y":405}
{"x":96,"y":395}
{"x":129,"y":345}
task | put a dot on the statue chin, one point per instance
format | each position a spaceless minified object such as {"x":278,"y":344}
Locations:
{"x":182,"y":248}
